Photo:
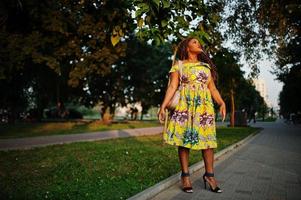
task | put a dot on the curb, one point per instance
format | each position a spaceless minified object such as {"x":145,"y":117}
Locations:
{"x":165,"y":184}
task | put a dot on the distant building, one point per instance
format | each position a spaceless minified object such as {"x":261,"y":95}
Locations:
{"x":260,"y":86}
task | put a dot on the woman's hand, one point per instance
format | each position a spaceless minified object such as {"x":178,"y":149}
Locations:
{"x":161,"y":115}
{"x":222,"y":111}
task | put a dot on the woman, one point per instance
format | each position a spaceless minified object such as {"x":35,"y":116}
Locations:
{"x":191,"y":125}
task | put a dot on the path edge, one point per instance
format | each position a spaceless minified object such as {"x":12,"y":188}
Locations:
{"x":166,"y":183}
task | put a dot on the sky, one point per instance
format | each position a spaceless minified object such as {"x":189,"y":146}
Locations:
{"x":265,"y":66}
{"x":273,"y":86}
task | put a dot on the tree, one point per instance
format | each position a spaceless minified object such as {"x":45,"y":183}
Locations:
{"x":238,"y":92}
{"x":157,"y":20}
{"x":275,"y":27}
{"x":289,"y":102}
{"x":248,"y":97}
{"x":68,"y":43}
{"x":140,"y":76}
{"x":13,"y":99}
{"x":146,"y":73}
{"x":230,"y":77}
{"x":70,"y":38}
{"x":258,"y":26}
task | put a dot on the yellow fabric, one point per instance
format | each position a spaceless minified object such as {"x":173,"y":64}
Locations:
{"x":192,"y":123}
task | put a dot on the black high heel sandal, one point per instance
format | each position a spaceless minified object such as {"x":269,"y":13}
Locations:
{"x":216,"y":189}
{"x":186,"y":189}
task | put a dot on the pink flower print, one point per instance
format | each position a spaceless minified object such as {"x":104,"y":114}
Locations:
{"x":206,"y":120}
{"x":184,"y":79}
{"x":180,"y":116}
{"x":202,"y":77}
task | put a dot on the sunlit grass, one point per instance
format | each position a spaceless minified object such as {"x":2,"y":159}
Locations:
{"x":58,"y":128}
{"x":47,"y":127}
{"x":110,"y":169}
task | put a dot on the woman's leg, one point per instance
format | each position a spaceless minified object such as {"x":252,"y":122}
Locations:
{"x":184,"y":161}
{"x":184,"y":158}
{"x":208,"y":156}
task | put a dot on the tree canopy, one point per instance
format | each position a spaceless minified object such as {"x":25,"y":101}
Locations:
{"x":114,"y":52}
{"x":273,"y":27}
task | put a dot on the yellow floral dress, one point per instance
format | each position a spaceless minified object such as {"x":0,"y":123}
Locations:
{"x":192,"y":123}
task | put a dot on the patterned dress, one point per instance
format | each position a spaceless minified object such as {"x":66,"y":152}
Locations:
{"x":192,"y":123}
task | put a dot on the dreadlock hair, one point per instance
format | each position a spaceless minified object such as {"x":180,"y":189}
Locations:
{"x":182,"y":54}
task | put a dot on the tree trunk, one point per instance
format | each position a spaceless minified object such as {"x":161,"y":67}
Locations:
{"x":41,"y":105}
{"x":12,"y":115}
{"x":106,"y":115}
{"x":232,"y":118}
{"x":141,"y":116}
{"x":112,"y":111}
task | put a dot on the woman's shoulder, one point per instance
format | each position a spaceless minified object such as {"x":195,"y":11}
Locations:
{"x":176,"y":64}
{"x":174,"y":67}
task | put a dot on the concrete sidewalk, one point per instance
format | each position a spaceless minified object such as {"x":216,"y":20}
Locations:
{"x":268,"y":167}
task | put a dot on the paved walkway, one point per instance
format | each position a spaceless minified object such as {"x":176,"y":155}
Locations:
{"x":27,"y":143}
{"x":269,"y":167}
{"x":40,"y":141}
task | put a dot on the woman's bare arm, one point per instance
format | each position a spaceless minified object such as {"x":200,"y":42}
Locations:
{"x":173,"y":86}
{"x":217,"y":98}
{"x":171,"y":89}
{"x":215,"y":93}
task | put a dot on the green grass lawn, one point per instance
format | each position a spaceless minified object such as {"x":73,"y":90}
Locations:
{"x":109,"y":169}
{"x":19,"y":130}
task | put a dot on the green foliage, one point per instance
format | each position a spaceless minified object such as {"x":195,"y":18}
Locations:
{"x":261,"y":25}
{"x":75,"y":39}
{"x":230,"y":77}
{"x":56,"y":44}
{"x":87,"y":52}
{"x":177,"y":18}
{"x":289,"y":102}
{"x":248,"y":98}
{"x":64,"y":52}
{"x":275,"y":27}
{"x":147,"y":73}
{"x":141,"y":76}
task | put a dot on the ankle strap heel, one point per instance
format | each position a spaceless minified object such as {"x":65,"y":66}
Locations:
{"x":184,"y":174}
{"x":186,"y":189}
{"x":216,"y":189}
{"x":209,"y":174}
